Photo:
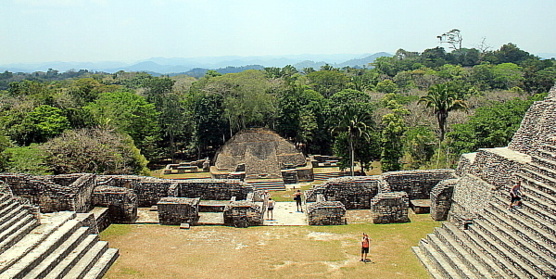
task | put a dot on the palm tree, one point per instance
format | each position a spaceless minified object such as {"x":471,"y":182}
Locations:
{"x":356,"y":126}
{"x":443,"y":100}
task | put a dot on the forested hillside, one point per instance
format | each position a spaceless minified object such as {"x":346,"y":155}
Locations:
{"x":412,"y":110}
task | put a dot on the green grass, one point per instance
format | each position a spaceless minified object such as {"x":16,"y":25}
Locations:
{"x":154,"y":251}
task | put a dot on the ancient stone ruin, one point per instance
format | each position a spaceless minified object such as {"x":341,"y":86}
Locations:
{"x":258,"y":155}
{"x":483,"y":237}
{"x":49,"y":224}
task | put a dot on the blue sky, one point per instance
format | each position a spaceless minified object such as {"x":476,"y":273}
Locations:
{"x":131,"y":30}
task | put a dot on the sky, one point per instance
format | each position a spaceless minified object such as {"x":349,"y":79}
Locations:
{"x":132,"y":30}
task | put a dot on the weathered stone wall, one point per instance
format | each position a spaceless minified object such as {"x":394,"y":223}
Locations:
{"x":470,"y":197}
{"x":175,"y":211}
{"x":213,"y":189}
{"x":418,"y":183}
{"x":441,"y":199}
{"x":121,"y":203}
{"x":290,"y":176}
{"x":102,"y":217}
{"x":305,"y":173}
{"x":498,"y":166}
{"x":390,"y":207}
{"x":355,"y":192}
{"x":465,"y":162}
{"x":538,"y":125}
{"x":43,"y":191}
{"x":242,"y":214}
{"x":325,"y":213}
{"x":149,"y":190}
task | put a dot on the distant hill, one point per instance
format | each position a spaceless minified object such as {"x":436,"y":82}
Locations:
{"x":199,"y":72}
{"x":194,"y":66}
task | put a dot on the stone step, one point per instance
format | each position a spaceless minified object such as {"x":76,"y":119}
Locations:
{"x":500,"y":252}
{"x":438,"y":261}
{"x":547,"y":181}
{"x":539,"y":184}
{"x":14,"y":224}
{"x":6,"y":201}
{"x":7,"y":211}
{"x":14,"y":249}
{"x":475,"y":252}
{"x":533,"y":206}
{"x":16,"y":236}
{"x":548,"y":163}
{"x":103,"y":264}
{"x":538,"y":194}
{"x":519,"y":225}
{"x":485,"y":250}
{"x":451,"y":257}
{"x":43,"y":250}
{"x":58,"y":254}
{"x":529,"y":255}
{"x":11,"y":217}
{"x":69,"y":261}
{"x":523,"y":240}
{"x":476,"y":265}
{"x":541,"y":173}
{"x":547,"y":154}
{"x":549,"y":147}
{"x":530,"y":218}
{"x":4,"y":197}
{"x":545,"y":205}
{"x":85,"y":263}
{"x":435,"y":274}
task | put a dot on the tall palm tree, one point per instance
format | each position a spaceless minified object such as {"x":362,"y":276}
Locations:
{"x":356,"y":126}
{"x":442,"y":99}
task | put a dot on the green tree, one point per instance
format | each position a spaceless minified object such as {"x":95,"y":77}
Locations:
{"x":419,"y":146}
{"x":328,"y":82}
{"x":34,"y":126}
{"x":507,"y":75}
{"x":491,"y":126}
{"x":351,"y":117}
{"x":442,"y":100}
{"x":129,"y":113}
{"x":94,"y":151}
{"x":393,"y":129}
{"x":210,"y":124}
{"x":386,"y":86}
{"x":29,"y":159}
{"x":248,"y":98}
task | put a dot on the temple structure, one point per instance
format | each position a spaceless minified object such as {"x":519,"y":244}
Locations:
{"x":260,"y":154}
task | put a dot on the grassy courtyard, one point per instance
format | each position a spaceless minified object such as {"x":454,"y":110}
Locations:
{"x":156,"y":251}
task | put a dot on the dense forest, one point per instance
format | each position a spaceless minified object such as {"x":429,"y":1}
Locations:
{"x":409,"y":111}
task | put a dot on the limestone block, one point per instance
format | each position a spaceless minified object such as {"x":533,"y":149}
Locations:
{"x":121,"y":203}
{"x":242,"y":214}
{"x":326,"y":213}
{"x":390,"y":208}
{"x":176,"y":210}
{"x":441,"y":199}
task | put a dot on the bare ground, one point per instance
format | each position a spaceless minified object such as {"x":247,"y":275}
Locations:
{"x":155,"y":251}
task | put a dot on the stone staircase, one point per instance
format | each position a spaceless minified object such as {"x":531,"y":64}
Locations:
{"x":327,"y":175}
{"x":268,"y":184}
{"x":58,"y":246}
{"x":502,"y":243}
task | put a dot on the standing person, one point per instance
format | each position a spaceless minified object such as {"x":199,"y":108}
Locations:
{"x":270,"y":209}
{"x":297,"y":198}
{"x":515,"y":195}
{"x":365,"y":244}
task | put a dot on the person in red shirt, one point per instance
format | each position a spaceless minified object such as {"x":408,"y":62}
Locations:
{"x":365,"y":244}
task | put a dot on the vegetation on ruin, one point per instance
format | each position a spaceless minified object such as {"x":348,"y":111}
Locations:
{"x":402,"y":111}
{"x":155,"y":251}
